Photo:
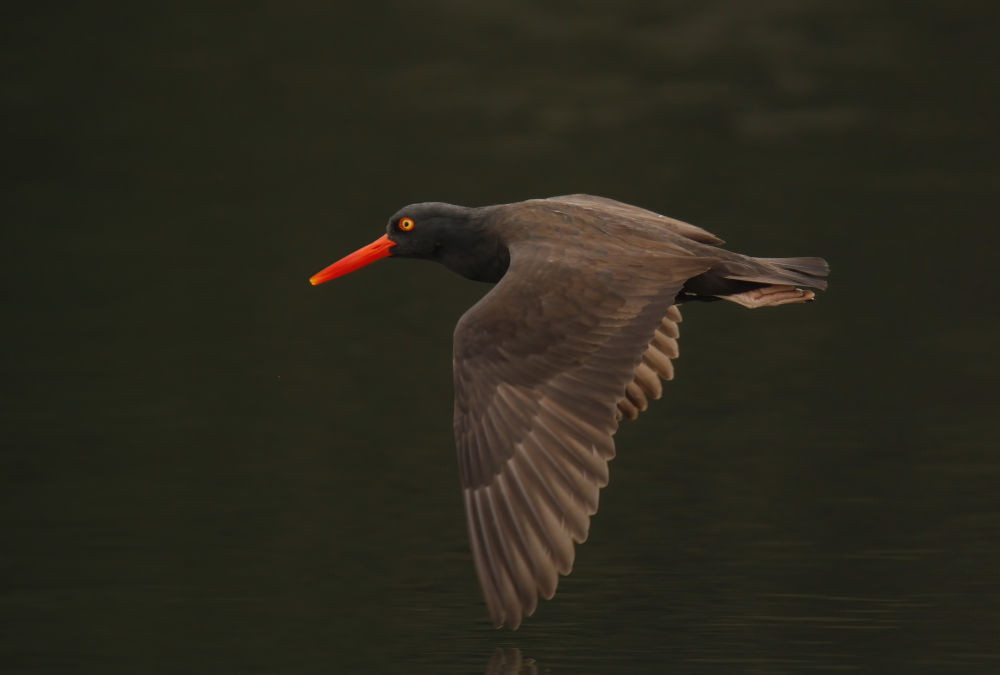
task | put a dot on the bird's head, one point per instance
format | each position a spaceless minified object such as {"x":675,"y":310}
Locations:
{"x":456,"y":236}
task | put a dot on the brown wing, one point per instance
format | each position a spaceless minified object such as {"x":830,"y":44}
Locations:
{"x":634,"y":215}
{"x":656,"y":363}
{"x":540,"y":365}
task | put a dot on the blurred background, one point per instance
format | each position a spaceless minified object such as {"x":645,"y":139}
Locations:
{"x":210,"y":466}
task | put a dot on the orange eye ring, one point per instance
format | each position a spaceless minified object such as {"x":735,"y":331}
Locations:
{"x":406,"y":224}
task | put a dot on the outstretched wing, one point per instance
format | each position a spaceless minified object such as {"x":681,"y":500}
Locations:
{"x":541,"y":363}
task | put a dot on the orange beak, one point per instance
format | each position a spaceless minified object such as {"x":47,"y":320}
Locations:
{"x":363,"y":256}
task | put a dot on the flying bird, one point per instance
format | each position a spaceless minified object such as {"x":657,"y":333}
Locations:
{"x":576,"y":334}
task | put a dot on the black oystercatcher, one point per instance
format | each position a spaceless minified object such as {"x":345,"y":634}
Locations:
{"x":576,"y":334}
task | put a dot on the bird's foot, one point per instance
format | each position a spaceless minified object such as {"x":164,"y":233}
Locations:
{"x":770,"y":296}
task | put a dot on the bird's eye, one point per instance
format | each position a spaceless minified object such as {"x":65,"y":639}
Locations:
{"x":406,"y":224}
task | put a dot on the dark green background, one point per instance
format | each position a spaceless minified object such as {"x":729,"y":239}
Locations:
{"x":209,"y":466}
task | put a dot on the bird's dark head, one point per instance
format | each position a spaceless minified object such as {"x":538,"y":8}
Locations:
{"x":458,"y":237}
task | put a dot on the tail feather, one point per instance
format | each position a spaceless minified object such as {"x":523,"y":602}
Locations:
{"x":786,"y":271}
{"x":812,"y":266}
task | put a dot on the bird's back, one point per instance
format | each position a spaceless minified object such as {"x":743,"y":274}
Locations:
{"x":599,"y":225}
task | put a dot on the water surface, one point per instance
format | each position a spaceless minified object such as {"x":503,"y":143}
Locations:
{"x":210,"y":466}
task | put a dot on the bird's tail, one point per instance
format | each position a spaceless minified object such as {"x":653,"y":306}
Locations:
{"x":776,"y":281}
{"x":759,"y":282}
{"x":808,"y":272}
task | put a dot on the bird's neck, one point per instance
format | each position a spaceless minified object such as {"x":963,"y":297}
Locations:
{"x":478,"y":252}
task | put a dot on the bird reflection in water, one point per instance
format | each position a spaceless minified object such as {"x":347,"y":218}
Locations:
{"x":510,"y":662}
